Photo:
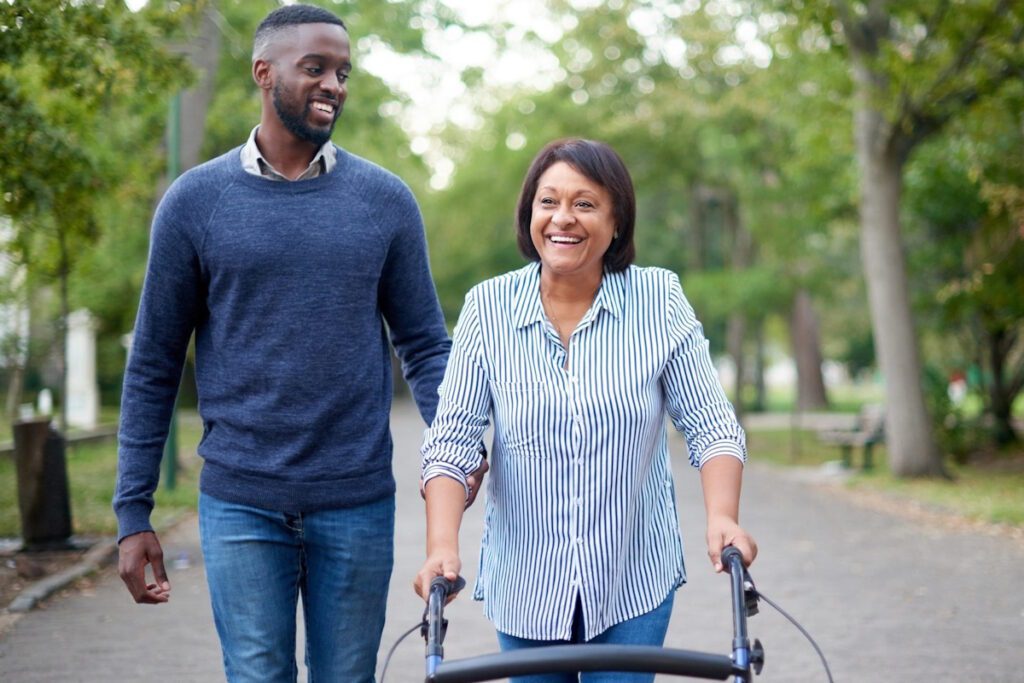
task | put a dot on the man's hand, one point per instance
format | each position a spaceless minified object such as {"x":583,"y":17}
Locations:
{"x":475,"y":481}
{"x":134,"y":553}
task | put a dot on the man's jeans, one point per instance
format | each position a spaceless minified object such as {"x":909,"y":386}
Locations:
{"x":257,"y":564}
{"x":646,"y":629}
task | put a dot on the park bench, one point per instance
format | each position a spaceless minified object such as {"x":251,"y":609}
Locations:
{"x":868,"y":430}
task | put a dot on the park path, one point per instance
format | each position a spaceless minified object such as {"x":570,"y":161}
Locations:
{"x":888,"y":598}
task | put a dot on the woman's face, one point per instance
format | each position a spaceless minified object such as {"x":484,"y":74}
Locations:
{"x":572,"y":222}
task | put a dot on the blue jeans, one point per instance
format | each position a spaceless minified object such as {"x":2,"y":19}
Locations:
{"x":646,"y":629}
{"x":259,"y":562}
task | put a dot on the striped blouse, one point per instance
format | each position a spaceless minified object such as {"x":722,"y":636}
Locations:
{"x":580,"y":500}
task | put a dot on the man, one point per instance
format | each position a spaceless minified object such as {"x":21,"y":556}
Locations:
{"x":286,"y":257}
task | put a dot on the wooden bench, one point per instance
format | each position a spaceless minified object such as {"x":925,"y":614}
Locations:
{"x":868,"y":430}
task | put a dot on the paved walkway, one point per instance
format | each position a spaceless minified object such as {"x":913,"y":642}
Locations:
{"x":888,"y":599}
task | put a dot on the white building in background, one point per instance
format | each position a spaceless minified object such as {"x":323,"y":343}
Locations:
{"x":82,"y":388}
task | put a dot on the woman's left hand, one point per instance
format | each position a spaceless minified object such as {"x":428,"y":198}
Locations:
{"x":724,"y":531}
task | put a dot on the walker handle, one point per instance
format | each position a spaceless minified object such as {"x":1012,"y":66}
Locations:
{"x":434,"y":624}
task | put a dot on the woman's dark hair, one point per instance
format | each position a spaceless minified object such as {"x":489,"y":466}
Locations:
{"x":600,"y":164}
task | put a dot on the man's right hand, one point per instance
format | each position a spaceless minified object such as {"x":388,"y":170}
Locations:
{"x":134,"y":553}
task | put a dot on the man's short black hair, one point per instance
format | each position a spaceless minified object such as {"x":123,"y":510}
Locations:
{"x":287,"y":17}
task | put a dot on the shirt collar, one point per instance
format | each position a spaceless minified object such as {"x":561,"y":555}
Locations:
{"x":528,"y":309}
{"x":254,"y":162}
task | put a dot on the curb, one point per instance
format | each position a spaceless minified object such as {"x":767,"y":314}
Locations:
{"x":96,"y":557}
{"x":100,"y":555}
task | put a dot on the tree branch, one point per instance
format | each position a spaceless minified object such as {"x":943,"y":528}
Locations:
{"x":969,"y":47}
{"x":931,"y":23}
{"x":917,"y":122}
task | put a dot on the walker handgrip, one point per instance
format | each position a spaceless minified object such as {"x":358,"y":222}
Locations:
{"x":448,"y":587}
{"x":730,"y":554}
{"x":435,"y":624}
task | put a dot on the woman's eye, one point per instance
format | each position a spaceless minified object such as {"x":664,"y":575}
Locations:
{"x":585,"y":205}
{"x":547,"y":201}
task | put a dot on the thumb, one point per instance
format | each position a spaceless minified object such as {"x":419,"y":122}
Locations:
{"x":156,"y":561}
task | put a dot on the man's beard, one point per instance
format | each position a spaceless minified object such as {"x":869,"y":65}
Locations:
{"x":295,"y":121}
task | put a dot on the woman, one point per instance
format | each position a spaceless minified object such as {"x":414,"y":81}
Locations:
{"x":578,"y":357}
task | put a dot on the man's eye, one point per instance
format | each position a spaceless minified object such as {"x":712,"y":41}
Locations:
{"x":314,"y":70}
{"x":342,"y":77}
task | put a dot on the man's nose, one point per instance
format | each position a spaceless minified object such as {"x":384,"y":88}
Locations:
{"x":332,"y":84}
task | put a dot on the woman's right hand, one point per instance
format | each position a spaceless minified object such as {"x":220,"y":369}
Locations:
{"x":444,"y":563}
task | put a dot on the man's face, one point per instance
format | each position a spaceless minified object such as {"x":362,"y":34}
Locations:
{"x":310,"y":70}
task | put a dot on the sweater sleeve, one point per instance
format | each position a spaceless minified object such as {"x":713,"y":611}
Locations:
{"x":409,"y":303}
{"x":172,"y":296}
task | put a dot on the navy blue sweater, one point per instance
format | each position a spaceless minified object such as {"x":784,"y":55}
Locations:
{"x":287,"y":286}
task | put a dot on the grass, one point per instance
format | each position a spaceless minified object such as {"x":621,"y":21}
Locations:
{"x":847,"y":398}
{"x":987,"y":490}
{"x":92,"y":470}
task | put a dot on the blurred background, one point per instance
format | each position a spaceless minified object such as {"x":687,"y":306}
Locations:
{"x":840,"y":186}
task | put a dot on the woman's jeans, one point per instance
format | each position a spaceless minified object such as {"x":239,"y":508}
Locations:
{"x":259,"y":562}
{"x":646,"y":629}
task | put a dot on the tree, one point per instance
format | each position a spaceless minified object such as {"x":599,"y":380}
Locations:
{"x":916,"y":66}
{"x":65,"y":67}
{"x":966,"y":199}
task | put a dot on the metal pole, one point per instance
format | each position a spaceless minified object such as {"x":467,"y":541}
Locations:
{"x":173,"y":168}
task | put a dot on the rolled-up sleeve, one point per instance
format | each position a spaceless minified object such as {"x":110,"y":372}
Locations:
{"x":696,"y":402}
{"x":453,"y":445}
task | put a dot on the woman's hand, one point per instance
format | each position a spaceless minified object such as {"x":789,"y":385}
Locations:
{"x":720,"y":478}
{"x":446,"y":499}
{"x":444,"y":563}
{"x":724,"y":531}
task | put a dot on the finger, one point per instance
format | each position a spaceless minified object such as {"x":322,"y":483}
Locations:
{"x":715,"y":546}
{"x":156,"y":563}
{"x":748,"y":548}
{"x":420,"y":585}
{"x":152,"y":598}
{"x":450,"y":570}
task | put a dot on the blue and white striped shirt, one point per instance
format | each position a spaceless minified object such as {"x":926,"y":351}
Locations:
{"x":580,"y":501}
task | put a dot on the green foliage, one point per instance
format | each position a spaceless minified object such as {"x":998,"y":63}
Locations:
{"x":964,"y":215}
{"x":79,"y":85}
{"x":91,"y":472}
{"x":65,"y":68}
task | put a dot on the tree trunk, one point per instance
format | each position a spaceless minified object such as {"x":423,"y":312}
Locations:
{"x":204,"y":55}
{"x":62,"y":327}
{"x":742,"y":252}
{"x":760,"y":389}
{"x":1000,"y":393}
{"x":911,"y":444}
{"x":735,"y":332}
{"x":15,"y":385}
{"x":806,"y":340}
